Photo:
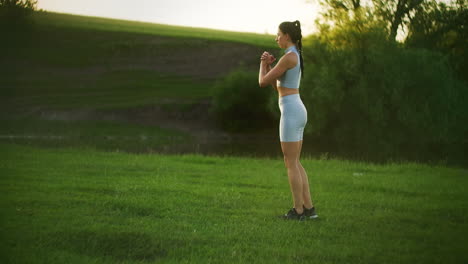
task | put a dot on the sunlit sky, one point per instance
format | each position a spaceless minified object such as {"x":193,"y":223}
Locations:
{"x":259,"y":16}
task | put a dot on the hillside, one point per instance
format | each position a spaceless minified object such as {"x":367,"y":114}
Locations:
{"x":69,"y":68}
{"x":90,"y":55}
{"x":47,"y":19}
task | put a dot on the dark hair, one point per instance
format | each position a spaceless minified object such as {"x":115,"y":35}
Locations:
{"x":293,"y":29}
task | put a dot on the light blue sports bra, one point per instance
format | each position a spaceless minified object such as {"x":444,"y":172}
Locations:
{"x":292,"y":77}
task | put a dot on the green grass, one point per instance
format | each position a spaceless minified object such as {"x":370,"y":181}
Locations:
{"x":67,"y":61}
{"x":65,"y":200}
{"x":114,"y":135}
{"x":73,"y":205}
{"x":106,"y":90}
{"x":106,"y":24}
{"x":70,"y":68}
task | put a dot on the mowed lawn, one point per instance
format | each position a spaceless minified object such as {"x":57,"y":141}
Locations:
{"x":74,"y":205}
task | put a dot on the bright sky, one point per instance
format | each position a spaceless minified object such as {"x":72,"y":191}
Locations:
{"x":260,"y":16}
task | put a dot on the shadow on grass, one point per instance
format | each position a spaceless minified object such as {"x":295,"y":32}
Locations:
{"x":118,"y":245}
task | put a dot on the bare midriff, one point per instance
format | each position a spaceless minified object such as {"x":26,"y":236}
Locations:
{"x":284,"y":91}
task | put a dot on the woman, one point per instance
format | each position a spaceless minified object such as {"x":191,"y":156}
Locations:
{"x":285,"y":77}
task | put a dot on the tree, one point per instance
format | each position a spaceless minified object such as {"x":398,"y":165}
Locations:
{"x":347,"y":5}
{"x":444,"y":28}
{"x":395,"y":12}
{"x":28,"y":4}
{"x":336,"y":9}
{"x":14,"y":12}
{"x":371,"y":96}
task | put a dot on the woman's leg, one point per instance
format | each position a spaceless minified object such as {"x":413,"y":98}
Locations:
{"x":291,"y":152}
{"x":305,"y":182}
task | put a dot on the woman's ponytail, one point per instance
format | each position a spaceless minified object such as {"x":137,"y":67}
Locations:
{"x":297,"y":24}
{"x":299,"y":46}
{"x":293,"y":29}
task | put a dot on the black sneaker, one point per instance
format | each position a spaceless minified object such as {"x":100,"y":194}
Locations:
{"x":310,"y":213}
{"x":293,"y":215}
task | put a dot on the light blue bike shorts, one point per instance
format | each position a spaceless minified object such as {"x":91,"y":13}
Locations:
{"x":293,"y":118}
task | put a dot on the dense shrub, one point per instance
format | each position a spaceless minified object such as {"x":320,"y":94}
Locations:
{"x":442,"y":26}
{"x":375,"y":99}
{"x":15,"y":11}
{"x":239,"y":104}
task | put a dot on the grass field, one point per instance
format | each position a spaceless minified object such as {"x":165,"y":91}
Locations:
{"x":88,"y":64}
{"x":106,"y":90}
{"x":98,"y":134}
{"x":74,"y":205}
{"x":105,"y":24}
{"x":71,"y":192}
{"x":67,"y":61}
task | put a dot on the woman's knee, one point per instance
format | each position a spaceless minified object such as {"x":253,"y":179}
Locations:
{"x":290,"y":162}
{"x":299,"y":164}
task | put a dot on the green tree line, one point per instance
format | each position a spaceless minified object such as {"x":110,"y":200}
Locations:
{"x":387,"y":79}
{"x":383,"y":80}
{"x":14,"y":13}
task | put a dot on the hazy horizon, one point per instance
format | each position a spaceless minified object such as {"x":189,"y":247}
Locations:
{"x":242,"y":15}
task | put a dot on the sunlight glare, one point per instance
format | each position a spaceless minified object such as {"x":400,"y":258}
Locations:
{"x":262,"y":16}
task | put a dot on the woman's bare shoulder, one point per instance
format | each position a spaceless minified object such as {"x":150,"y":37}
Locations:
{"x":289,"y":59}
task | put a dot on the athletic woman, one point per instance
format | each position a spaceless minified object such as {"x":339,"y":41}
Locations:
{"x":285,"y":76}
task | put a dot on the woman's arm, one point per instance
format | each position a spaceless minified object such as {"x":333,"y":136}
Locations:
{"x":265,"y":65}
{"x":265,"y":68}
{"x":268,"y":75}
{"x":274,"y":81}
